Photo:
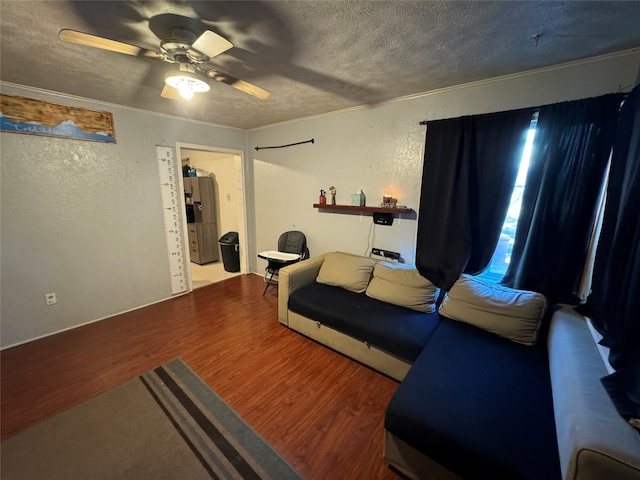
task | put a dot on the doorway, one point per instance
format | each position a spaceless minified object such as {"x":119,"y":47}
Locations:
{"x":225,"y":167}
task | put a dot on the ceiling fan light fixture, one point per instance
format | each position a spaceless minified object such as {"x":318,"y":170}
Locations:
{"x":186,"y":81}
{"x":188,"y":53}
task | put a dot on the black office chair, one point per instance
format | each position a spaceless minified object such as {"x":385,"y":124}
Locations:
{"x":292,"y":247}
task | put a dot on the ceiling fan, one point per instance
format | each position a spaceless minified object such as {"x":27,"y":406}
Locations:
{"x":189,"y":53}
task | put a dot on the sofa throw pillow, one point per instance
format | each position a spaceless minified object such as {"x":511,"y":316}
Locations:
{"x":510,"y":313}
{"x":403,"y":286}
{"x":351,"y":272}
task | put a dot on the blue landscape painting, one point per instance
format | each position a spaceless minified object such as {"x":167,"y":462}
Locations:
{"x":67,"y":129}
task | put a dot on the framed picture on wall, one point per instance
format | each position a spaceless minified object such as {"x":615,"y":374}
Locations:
{"x":37,"y":117}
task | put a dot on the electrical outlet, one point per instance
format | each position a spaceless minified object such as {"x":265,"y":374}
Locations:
{"x":50,"y":298}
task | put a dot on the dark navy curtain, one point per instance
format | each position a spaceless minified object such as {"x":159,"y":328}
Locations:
{"x":614,"y":304}
{"x":470,"y":167}
{"x":570,"y":153}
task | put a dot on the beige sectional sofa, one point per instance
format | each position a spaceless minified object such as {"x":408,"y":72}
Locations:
{"x":593,"y":441}
{"x":305,"y":273}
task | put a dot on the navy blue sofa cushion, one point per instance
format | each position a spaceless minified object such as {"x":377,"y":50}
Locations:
{"x":480,"y":405}
{"x":396,"y":330}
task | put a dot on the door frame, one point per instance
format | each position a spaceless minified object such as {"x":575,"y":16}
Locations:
{"x":243,"y":240}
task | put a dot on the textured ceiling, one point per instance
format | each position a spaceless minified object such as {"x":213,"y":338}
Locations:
{"x":314,"y":56}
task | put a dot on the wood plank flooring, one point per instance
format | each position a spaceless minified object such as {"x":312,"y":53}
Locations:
{"x":322,"y":411}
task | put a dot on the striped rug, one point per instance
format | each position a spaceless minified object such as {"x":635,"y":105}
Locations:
{"x":165,"y":424}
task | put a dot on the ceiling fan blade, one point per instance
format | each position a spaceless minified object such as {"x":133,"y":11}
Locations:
{"x":89,"y":40}
{"x":241,"y":85}
{"x":170,"y":92}
{"x":209,"y":44}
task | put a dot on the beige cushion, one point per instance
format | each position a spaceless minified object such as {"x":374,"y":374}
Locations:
{"x":403,"y":286}
{"x":351,"y":272}
{"x":510,"y":313}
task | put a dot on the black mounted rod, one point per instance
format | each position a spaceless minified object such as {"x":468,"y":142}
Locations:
{"x":288,"y":145}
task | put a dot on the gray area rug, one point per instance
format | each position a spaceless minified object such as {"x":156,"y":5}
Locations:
{"x":165,"y":424}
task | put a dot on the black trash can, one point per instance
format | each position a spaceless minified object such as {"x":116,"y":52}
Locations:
{"x":230,"y":247}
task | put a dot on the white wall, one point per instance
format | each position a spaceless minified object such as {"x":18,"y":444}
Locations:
{"x":380,"y":149}
{"x":84,"y":219}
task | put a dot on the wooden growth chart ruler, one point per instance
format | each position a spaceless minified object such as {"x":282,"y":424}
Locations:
{"x":169,"y":176}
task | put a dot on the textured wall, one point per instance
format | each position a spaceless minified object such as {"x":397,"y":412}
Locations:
{"x":380,"y":149}
{"x":84,"y":220}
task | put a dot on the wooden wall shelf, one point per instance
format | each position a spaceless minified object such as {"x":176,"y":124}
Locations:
{"x":356,"y":209}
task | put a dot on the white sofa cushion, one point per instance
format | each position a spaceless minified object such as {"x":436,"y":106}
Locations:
{"x":510,"y":313}
{"x":351,"y":272}
{"x":403,"y":286}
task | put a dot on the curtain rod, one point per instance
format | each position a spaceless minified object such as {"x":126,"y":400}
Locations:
{"x":537,"y":109}
{"x":284,"y":146}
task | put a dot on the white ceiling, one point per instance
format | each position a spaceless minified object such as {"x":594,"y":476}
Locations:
{"x":314,"y":56}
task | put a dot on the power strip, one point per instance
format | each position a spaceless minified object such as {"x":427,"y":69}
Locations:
{"x":385,"y":253}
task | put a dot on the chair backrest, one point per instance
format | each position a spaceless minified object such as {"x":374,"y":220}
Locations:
{"x":293,"y":241}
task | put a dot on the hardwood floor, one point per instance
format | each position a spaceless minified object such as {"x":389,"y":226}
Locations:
{"x":322,"y":411}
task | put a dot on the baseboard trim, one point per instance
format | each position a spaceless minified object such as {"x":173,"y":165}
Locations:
{"x":90,"y":322}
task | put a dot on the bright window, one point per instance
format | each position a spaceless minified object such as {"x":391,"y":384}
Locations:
{"x":502,"y":254}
